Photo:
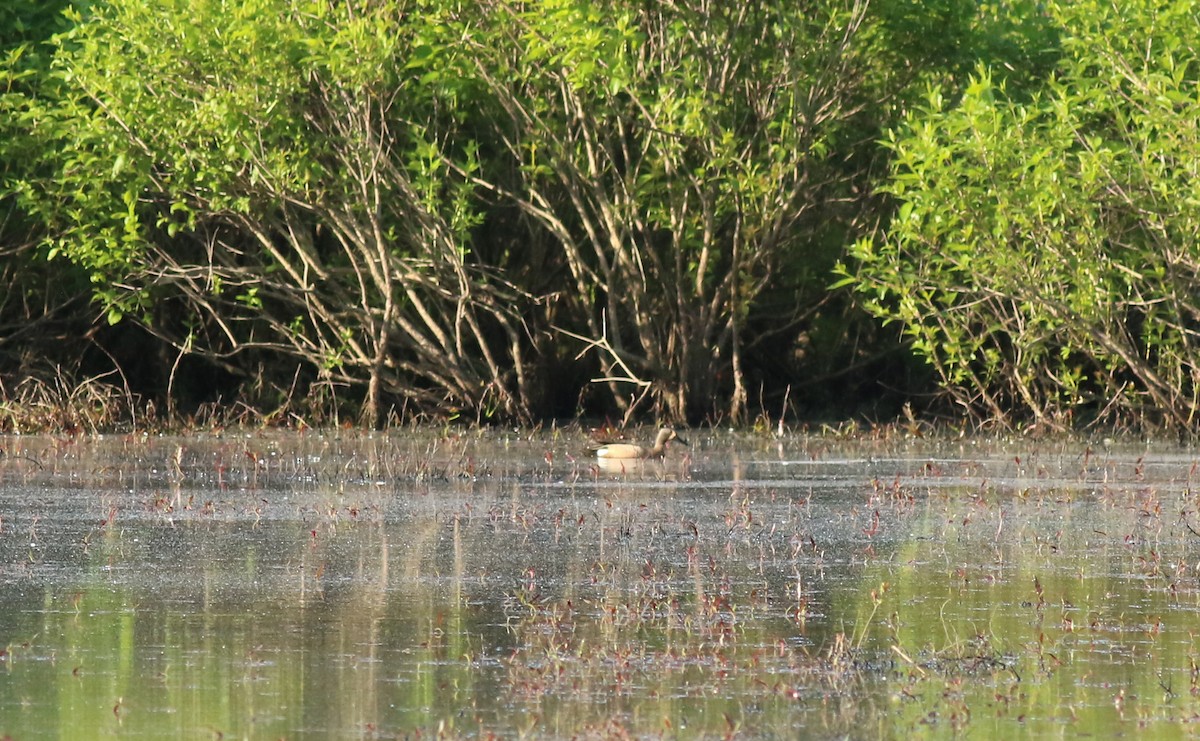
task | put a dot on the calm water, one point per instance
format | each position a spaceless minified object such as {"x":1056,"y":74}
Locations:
{"x":307,"y":586}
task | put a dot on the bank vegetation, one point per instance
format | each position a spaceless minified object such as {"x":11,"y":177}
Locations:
{"x":302,"y":211}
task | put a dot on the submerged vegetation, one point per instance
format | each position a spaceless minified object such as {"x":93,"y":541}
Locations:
{"x":311,"y":212}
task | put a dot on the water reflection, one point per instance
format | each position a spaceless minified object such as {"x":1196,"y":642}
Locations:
{"x":320,"y":586}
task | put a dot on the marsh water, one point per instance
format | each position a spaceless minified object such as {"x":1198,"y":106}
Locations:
{"x":498,"y":584}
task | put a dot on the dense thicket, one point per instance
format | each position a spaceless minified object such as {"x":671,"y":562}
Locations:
{"x":516,"y":210}
{"x":1045,"y":256}
{"x":39,"y":304}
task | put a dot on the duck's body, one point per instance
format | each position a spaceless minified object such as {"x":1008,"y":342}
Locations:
{"x":627,"y":451}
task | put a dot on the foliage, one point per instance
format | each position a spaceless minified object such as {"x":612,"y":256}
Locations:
{"x":38,"y":302}
{"x":940,"y":42}
{"x":1043,"y":256}
{"x":469,"y":208}
{"x":671,"y":154}
{"x":272,"y":171}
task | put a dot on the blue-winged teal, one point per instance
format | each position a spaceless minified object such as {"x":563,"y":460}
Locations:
{"x":631,"y":450}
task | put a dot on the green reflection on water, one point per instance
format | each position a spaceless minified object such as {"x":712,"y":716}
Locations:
{"x":104,"y":661}
{"x":1080,"y":620}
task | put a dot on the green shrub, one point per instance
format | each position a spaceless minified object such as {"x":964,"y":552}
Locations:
{"x":1045,"y":249}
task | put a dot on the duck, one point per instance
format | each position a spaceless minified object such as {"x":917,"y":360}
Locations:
{"x":625,"y":451}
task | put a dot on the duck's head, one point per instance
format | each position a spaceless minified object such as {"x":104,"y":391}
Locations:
{"x":668,"y":434}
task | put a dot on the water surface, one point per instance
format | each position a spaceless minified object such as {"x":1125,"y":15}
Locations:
{"x":305,"y":586}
